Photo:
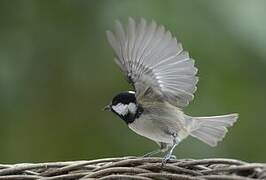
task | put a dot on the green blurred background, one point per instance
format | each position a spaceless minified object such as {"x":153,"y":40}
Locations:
{"x":57,"y":72}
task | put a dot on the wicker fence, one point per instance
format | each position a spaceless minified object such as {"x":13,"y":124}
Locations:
{"x":136,"y":168}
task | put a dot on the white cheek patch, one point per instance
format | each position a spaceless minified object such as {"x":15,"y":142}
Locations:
{"x":123,"y":109}
{"x":132,"y":108}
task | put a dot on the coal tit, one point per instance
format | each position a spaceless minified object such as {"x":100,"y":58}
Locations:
{"x":164,"y":80}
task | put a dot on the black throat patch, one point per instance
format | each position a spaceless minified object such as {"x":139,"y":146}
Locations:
{"x":130,"y":117}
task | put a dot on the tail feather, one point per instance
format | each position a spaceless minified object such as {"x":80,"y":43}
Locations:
{"x":211,"y":129}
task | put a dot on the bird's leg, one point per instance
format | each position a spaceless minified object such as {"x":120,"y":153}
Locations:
{"x":169,"y":155}
{"x":163,"y":148}
{"x":152,"y":153}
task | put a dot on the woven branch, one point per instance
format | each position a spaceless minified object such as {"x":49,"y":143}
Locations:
{"x":137,"y":168}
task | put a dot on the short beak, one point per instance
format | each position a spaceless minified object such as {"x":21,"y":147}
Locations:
{"x":107,"y":108}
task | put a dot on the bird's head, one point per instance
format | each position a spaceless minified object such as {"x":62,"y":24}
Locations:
{"x":125,"y":106}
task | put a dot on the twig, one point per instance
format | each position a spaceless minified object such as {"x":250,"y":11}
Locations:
{"x":136,"y":168}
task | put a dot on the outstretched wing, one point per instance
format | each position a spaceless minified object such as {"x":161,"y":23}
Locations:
{"x":154,"y":62}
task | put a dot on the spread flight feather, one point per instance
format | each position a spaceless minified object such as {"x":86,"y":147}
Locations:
{"x":152,"y":58}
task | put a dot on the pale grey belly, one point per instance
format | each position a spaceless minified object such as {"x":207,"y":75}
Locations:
{"x":158,"y":129}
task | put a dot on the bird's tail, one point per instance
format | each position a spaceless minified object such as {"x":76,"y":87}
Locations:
{"x":211,"y":129}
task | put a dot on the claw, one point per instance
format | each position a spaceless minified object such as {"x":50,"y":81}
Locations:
{"x":172,"y":157}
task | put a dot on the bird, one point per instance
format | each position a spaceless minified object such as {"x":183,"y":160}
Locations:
{"x":164,"y":79}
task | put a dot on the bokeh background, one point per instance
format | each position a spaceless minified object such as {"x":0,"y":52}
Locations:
{"x":57,"y":72}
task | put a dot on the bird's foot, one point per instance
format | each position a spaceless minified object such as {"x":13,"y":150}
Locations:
{"x":167,"y":158}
